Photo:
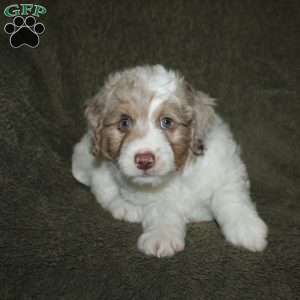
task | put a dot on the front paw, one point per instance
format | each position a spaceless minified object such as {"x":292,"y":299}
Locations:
{"x":161,"y":242}
{"x":249,"y":232}
{"x":125,"y":211}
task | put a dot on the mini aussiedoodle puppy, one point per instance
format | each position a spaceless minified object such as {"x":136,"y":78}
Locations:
{"x":156,"y":152}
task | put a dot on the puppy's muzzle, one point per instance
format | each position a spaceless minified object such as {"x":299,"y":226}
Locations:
{"x":145,"y":160}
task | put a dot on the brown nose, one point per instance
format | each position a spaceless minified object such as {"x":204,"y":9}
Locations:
{"x":145,"y":160}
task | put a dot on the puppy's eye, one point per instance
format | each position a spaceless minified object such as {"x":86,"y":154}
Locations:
{"x":125,"y":123}
{"x":166,"y":123}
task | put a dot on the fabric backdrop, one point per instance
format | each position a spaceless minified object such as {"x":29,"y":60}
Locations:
{"x":56,"y":242}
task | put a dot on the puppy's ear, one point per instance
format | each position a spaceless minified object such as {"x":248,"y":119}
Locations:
{"x":203,"y":117}
{"x":94,"y":113}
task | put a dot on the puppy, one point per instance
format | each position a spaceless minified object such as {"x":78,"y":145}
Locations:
{"x":157,"y":153}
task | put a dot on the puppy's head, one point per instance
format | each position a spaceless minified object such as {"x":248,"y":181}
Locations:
{"x":149,"y":121}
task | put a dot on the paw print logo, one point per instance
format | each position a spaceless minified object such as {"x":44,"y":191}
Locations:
{"x":24,"y":31}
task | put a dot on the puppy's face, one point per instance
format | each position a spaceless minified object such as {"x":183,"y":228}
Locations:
{"x":149,"y":141}
{"x":144,"y":119}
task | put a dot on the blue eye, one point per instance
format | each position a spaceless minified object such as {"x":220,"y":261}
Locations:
{"x":166,"y":123}
{"x":125,"y":123}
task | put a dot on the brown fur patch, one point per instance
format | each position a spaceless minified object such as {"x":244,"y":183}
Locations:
{"x":203,"y":118}
{"x":180,"y":142}
{"x":111,"y":139}
{"x":179,"y":136}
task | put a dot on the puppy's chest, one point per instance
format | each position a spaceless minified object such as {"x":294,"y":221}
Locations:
{"x":176,"y":192}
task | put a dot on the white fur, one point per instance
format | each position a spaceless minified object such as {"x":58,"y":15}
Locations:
{"x":159,"y":80}
{"x":214,"y":186}
{"x":83,"y":161}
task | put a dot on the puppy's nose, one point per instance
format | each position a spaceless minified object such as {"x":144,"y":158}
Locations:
{"x":145,"y":160}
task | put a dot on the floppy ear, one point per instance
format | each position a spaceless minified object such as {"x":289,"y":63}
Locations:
{"x":94,"y":113}
{"x":203,"y":117}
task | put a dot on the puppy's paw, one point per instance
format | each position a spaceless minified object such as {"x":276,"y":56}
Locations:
{"x":126,"y":212}
{"x":161,"y":243}
{"x":249,"y":232}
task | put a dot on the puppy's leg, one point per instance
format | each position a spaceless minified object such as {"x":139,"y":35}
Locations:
{"x":164,"y":233}
{"x":83,"y":160}
{"x":107,"y":194}
{"x":123,"y":210}
{"x":238,"y":218}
